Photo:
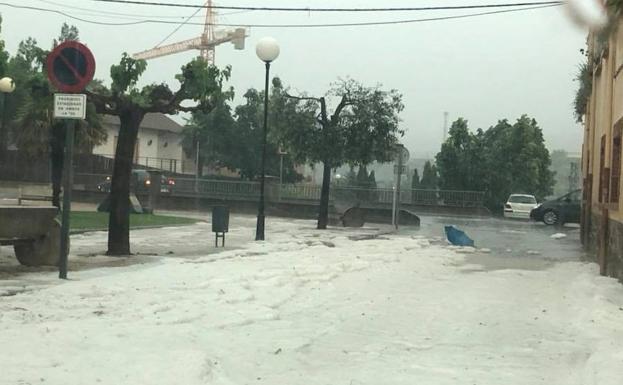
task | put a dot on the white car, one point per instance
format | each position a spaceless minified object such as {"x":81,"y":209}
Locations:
{"x":519,"y":206}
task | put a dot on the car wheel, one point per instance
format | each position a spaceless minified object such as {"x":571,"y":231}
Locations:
{"x":550,"y":217}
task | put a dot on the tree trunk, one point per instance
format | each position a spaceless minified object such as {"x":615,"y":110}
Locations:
{"x":119,"y":221}
{"x":323,"y":214}
{"x":57,"y":158}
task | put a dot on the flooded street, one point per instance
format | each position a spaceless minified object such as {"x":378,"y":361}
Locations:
{"x":510,"y":244}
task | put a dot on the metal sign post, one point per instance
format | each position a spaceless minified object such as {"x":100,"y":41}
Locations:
{"x":71,"y":67}
{"x":68,"y":186}
{"x":399,"y":169}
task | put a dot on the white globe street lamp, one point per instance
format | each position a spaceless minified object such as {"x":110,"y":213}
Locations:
{"x":7,"y":85}
{"x":267,"y":50}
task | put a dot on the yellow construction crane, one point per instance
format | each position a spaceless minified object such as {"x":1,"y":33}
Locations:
{"x":206,"y":43}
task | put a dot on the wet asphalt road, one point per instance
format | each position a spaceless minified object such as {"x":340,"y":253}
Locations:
{"x":504,"y":243}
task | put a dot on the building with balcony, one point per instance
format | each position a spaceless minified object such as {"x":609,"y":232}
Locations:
{"x":159,"y":143}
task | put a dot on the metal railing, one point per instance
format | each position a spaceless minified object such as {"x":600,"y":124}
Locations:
{"x":216,"y":188}
{"x":164,"y":164}
{"x":224,"y":189}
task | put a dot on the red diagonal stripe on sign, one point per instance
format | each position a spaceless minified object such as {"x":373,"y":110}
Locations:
{"x":71,"y":67}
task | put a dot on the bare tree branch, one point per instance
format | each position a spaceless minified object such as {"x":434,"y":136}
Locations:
{"x":301,"y":97}
{"x":346,"y":101}
{"x":102,"y":103}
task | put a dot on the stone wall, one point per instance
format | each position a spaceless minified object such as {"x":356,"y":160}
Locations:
{"x":615,"y":250}
{"x":614,"y":256}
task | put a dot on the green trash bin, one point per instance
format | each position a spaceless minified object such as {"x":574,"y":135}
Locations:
{"x":220,"y":222}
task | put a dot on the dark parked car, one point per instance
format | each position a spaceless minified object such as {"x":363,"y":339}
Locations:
{"x":565,"y":209}
{"x":140,"y":182}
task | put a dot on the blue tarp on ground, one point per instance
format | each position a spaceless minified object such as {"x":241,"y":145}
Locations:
{"x":458,"y":237}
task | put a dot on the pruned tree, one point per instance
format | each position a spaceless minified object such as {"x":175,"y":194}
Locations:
{"x":199,"y":82}
{"x":362,"y":128}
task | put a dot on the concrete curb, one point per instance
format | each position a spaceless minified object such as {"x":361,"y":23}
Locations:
{"x":83,"y":231}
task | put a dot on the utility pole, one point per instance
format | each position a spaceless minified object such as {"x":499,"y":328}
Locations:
{"x":402,"y":155}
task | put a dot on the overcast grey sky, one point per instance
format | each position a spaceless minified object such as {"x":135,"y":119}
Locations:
{"x":483,"y":68}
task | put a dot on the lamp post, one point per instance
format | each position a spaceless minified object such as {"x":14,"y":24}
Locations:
{"x":267,"y":50}
{"x":7,"y":85}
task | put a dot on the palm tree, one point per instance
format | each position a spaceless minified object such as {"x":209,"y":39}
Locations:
{"x":38,"y":134}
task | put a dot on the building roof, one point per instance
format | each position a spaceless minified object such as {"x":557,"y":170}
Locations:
{"x":154,"y":121}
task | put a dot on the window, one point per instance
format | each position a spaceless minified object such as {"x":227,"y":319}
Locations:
{"x":526,"y":199}
{"x":604,"y":173}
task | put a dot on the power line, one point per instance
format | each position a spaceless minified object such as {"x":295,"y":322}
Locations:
{"x":410,"y":21}
{"x":124,"y":14}
{"x":307,"y":9}
{"x":179,"y":26}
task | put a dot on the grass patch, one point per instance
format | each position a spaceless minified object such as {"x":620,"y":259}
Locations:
{"x":87,"y":220}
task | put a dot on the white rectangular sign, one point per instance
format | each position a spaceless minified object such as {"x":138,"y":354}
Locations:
{"x":70,"y":106}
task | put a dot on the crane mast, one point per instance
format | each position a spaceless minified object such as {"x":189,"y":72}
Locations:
{"x":206,"y":43}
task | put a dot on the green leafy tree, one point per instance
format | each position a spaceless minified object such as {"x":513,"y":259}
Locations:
{"x":415,"y":179}
{"x":372,"y":180}
{"x":530,"y":159}
{"x":351,"y":177}
{"x":248,"y":134}
{"x":460,"y":161}
{"x":415,"y":184}
{"x":214,"y":131}
{"x":504,"y":159}
{"x":362,"y":177}
{"x":373,"y":195}
{"x":4,"y":55}
{"x":4,"y":71}
{"x":362,"y":183}
{"x":199,"y":82}
{"x":429,"y":177}
{"x":362,"y":128}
